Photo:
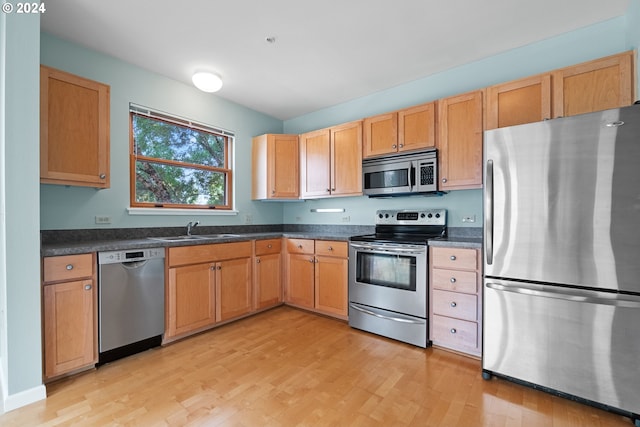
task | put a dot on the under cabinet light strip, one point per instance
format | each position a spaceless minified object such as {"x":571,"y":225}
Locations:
{"x":325,"y":210}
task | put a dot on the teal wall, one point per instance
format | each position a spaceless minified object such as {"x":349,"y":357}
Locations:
{"x":592,"y":42}
{"x":20,"y":337}
{"x":76,"y":207}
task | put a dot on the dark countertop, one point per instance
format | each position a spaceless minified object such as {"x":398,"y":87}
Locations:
{"x":85,"y":242}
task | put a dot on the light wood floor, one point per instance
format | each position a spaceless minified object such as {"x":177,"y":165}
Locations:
{"x":287,"y":367}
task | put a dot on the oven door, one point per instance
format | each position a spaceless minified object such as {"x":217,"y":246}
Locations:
{"x":389,"y":276}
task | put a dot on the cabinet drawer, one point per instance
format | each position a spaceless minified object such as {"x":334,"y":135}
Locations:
{"x":185,"y":255}
{"x":67,"y":267}
{"x":454,"y":280}
{"x":453,"y":304}
{"x":454,"y":333}
{"x":300,"y":246}
{"x":332,"y":248}
{"x":457,"y":258}
{"x":270,"y":246}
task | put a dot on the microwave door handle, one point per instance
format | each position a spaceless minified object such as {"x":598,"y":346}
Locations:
{"x":412,"y":176}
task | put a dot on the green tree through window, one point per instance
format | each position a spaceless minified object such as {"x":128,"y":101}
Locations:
{"x":177,"y":164}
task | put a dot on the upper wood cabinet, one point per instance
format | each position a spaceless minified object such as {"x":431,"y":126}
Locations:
{"x":522,"y":101}
{"x":591,"y":86}
{"x":404,"y":130}
{"x":460,"y":141}
{"x":74,"y":130}
{"x":331,"y":161}
{"x":275,"y":173}
{"x":595,"y":85}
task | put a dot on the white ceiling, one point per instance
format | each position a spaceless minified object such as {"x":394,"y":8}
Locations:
{"x":326,"y":52}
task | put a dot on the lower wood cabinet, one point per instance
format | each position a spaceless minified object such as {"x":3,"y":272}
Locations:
{"x":70,"y":326}
{"x":455,"y":295}
{"x":207,"y":284}
{"x":267,"y":273}
{"x":317,"y":275}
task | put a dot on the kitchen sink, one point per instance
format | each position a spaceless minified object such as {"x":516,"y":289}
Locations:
{"x":184,"y":238}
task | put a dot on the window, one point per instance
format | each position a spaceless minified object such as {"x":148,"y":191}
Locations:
{"x":177,"y":163}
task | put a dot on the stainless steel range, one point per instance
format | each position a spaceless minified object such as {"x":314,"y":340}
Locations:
{"x":388,"y":274}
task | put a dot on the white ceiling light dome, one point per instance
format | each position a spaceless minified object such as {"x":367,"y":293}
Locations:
{"x":207,"y":81}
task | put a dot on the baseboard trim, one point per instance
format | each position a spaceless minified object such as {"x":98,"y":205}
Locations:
{"x":24,"y":398}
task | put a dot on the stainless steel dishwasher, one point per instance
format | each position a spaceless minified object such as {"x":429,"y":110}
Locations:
{"x":130,"y":302}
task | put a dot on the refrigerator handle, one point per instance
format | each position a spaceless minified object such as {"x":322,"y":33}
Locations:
{"x":488,"y":212}
{"x":575,"y":295}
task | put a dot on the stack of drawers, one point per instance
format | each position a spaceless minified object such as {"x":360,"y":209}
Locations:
{"x":456,"y":299}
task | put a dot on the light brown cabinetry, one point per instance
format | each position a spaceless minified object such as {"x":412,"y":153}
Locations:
{"x":74,"y":130}
{"x":331,"y":161}
{"x":207,"y":284}
{"x":267,"y":273}
{"x":70,"y":314}
{"x":275,"y":167}
{"x":591,"y":86}
{"x":404,"y":130}
{"x":317,"y":275}
{"x":456,"y":299}
{"x":459,"y":141}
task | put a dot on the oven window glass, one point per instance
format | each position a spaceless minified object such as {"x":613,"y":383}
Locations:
{"x":394,"y":271}
{"x":387,"y":179}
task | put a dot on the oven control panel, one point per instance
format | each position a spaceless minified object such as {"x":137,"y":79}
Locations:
{"x":412,"y":217}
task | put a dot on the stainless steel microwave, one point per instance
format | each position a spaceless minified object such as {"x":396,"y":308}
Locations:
{"x":402,"y":174}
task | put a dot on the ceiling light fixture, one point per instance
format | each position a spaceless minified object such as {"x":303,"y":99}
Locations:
{"x":206,"y":81}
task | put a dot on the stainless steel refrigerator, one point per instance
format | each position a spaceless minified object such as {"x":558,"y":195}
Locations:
{"x":562,"y":256}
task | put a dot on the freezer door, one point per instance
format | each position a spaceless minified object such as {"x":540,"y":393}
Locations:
{"x":583,"y":343}
{"x":562,"y":201}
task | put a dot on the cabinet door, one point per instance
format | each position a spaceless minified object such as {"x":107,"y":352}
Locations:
{"x":300,"y":279}
{"x":315,"y":164}
{"x":283,"y":167}
{"x":417,"y":127}
{"x":593,"y":86}
{"x":380,"y":135}
{"x":233,"y":288}
{"x":522,"y":101}
{"x":74,"y":130}
{"x":460,"y":141}
{"x":346,"y":159}
{"x":268,"y":276}
{"x":191,"y":298}
{"x":70,"y":327}
{"x":331,"y":285}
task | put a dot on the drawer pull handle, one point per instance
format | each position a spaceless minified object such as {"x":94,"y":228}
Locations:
{"x":87,"y":287}
{"x":452,"y":257}
{"x":69,"y":266}
{"x":269,"y":246}
{"x":453,"y":330}
{"x":453,"y":304}
{"x":452,"y":280}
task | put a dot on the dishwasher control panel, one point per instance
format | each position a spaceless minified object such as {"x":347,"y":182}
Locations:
{"x":110,"y":257}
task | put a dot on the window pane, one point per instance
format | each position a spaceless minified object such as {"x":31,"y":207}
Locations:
{"x":162,"y":140}
{"x":158,"y":183}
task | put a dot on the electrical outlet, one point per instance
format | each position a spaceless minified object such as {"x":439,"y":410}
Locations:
{"x":469,"y":218}
{"x":248,"y":218}
{"x":103,"y":219}
{"x":346,"y":219}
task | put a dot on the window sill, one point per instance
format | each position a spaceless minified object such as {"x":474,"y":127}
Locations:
{"x":173,"y":211}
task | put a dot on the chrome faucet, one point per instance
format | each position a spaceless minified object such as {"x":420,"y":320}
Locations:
{"x":191,"y":226}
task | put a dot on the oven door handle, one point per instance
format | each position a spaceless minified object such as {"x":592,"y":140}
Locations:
{"x":417,"y":251}
{"x":382,"y":316}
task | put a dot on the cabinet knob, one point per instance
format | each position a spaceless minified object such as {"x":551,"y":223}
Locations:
{"x":69,"y":267}
{"x":444,"y":180}
{"x":102,"y":176}
{"x":333,"y":189}
{"x":299,"y":246}
{"x":452,"y":257}
{"x":273,"y":191}
{"x":328,"y":190}
{"x":87,"y":287}
{"x":213,"y":267}
{"x":330,"y":248}
{"x":452,"y":280}
{"x":453,"y":330}
{"x":219,"y":267}
{"x":310,"y":259}
{"x":453,"y":304}
{"x":401,"y":145}
{"x":394,"y":146}
{"x":269,"y":246}
{"x":257,"y":260}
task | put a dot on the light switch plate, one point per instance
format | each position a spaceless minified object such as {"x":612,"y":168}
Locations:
{"x":103,"y":219}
